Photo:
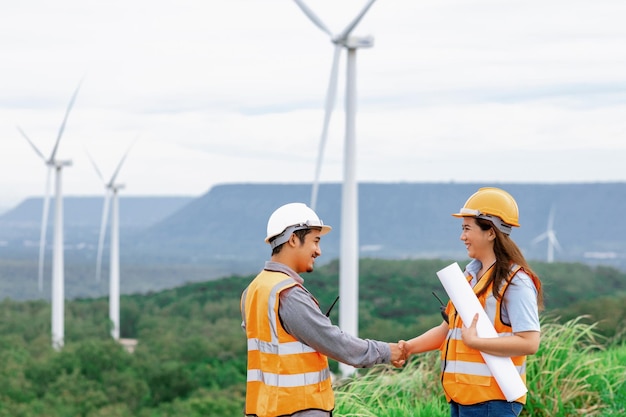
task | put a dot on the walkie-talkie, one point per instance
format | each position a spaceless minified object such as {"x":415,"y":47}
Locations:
{"x":331,"y":307}
{"x":442,"y":309}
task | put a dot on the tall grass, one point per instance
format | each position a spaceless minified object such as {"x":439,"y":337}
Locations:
{"x":387,"y":392}
{"x":572,"y":374}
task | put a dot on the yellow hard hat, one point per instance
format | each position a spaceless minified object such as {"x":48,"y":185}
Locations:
{"x":490,"y":202}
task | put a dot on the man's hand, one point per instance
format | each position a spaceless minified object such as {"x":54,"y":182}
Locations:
{"x":398,"y":353}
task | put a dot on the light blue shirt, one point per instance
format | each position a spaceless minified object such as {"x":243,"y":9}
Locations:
{"x":520,"y":300}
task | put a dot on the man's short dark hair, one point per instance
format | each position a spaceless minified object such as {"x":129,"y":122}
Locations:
{"x":299,"y":233}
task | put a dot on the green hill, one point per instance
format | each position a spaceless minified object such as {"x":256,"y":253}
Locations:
{"x":190,"y":356}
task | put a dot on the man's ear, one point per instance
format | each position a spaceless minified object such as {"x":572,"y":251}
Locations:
{"x":293,"y":240}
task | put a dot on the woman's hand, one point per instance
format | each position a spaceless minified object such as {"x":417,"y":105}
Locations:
{"x":470,"y":334}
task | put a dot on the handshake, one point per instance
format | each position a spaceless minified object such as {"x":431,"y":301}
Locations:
{"x":399,"y":353}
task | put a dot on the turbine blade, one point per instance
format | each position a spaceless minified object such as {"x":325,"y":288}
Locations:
{"x":557,"y":245}
{"x":93,"y":163}
{"x":555,"y":242}
{"x":44,"y":228}
{"x":330,"y":104}
{"x":316,"y":20}
{"x":62,"y":128}
{"x":551,"y":218}
{"x":103,"y":225}
{"x":346,"y":32}
{"x":119,"y":166}
{"x":32,"y":144}
{"x":539,"y":238}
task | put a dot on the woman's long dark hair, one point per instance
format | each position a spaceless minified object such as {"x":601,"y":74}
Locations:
{"x":507,"y":253}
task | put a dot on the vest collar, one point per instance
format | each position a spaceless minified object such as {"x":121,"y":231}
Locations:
{"x":278,"y":267}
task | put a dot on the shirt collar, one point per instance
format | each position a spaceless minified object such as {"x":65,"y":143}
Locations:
{"x":472,"y":268}
{"x":278,"y":267}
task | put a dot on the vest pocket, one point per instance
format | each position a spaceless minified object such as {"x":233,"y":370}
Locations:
{"x":463,"y":349}
{"x":483,"y":381}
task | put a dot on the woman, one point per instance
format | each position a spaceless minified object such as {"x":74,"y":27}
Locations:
{"x":509,"y":291}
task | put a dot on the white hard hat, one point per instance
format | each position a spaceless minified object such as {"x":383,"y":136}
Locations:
{"x":291,"y":217}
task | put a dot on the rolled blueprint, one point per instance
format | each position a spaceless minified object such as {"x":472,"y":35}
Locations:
{"x":467,"y":304}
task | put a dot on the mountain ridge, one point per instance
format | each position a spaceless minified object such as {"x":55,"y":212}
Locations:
{"x":398,"y":220}
{"x":221,"y":232}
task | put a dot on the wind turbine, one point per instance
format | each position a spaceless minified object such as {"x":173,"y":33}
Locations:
{"x":349,"y":251}
{"x":550,"y":236}
{"x":58,"y":279}
{"x":111,"y":199}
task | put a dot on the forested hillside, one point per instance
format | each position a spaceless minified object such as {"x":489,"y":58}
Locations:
{"x":190,"y":356}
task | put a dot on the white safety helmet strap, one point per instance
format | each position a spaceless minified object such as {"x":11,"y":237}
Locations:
{"x":495,"y":220}
{"x":286,"y":234}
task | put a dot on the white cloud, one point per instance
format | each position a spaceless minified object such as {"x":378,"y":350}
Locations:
{"x":232,"y":91}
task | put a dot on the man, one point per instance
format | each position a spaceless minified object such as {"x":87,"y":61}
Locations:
{"x":289,"y":338}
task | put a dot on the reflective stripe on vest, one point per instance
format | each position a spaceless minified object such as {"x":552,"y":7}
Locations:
{"x":475,"y":368}
{"x":465,"y":375}
{"x":289,"y":348}
{"x":279,"y":366}
{"x":296,"y":380}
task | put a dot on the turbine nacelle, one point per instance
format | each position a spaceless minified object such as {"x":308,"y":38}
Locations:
{"x":59,"y":164}
{"x":354,"y":42}
{"x":115,"y":187}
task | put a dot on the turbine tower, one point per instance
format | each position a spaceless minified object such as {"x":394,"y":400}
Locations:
{"x":58,"y":279}
{"x":111,"y":199}
{"x":349,"y":250}
{"x":550,"y":236}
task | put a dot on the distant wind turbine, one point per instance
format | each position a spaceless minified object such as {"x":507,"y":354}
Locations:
{"x":111,"y":199}
{"x":58,"y":279}
{"x":349,"y":251}
{"x":550,"y":236}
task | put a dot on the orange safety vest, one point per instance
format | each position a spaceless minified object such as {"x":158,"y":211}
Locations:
{"x":284,"y":375}
{"x":465,"y":376}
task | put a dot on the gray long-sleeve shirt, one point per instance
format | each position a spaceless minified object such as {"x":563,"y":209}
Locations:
{"x":303,"y":319}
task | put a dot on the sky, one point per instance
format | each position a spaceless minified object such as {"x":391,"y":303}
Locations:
{"x":232,"y":91}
